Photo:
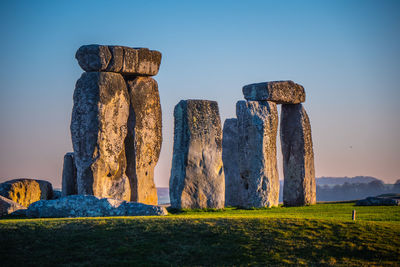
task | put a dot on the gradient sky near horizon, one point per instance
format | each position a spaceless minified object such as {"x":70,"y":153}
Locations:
{"x":345,"y":53}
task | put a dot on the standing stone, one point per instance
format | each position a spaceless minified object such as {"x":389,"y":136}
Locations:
{"x":257,"y":130}
{"x":230,"y":157}
{"x":98,"y":131}
{"x":197,"y":175}
{"x":280,"y":92}
{"x":26,"y":191}
{"x":298,"y":157}
{"x":69,"y":186}
{"x":143,"y":143}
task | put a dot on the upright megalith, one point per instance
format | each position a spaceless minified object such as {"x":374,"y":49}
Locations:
{"x":230,"y":156}
{"x":116,"y":123}
{"x":98,"y":131}
{"x":143,"y":143}
{"x":298,"y":157}
{"x":69,"y":185}
{"x":280,"y":92}
{"x":257,"y":130}
{"x":197,"y":175}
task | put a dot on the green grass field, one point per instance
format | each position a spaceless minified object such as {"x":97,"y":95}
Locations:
{"x":323,"y":234}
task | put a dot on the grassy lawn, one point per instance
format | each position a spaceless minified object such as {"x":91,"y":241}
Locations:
{"x":323,"y":234}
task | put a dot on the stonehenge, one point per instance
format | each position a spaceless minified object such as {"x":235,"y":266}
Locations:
{"x":197,"y":176}
{"x":116,"y":124}
{"x":116,"y":130}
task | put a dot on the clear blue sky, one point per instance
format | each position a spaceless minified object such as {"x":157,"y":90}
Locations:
{"x":345,"y":53}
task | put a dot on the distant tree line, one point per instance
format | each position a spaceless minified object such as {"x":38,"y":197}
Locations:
{"x":352,"y":191}
{"x":350,"y":188}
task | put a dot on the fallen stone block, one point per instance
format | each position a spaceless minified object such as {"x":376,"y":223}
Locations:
{"x":26,"y":191}
{"x":8,"y":206}
{"x":91,"y":206}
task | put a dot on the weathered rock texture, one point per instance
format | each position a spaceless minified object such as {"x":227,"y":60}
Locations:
{"x":257,"y":130}
{"x":26,"y":191}
{"x":197,"y":175}
{"x":298,"y":157}
{"x":125,"y":60}
{"x":69,"y":186}
{"x":98,"y":131}
{"x":8,"y":206}
{"x":143,"y":143}
{"x":91,"y":206}
{"x":230,"y":156}
{"x":280,"y":92}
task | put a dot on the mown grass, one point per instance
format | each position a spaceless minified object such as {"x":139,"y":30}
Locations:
{"x":317,"y":235}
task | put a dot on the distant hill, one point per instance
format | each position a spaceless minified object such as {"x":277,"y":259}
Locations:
{"x":329,"y":188}
{"x":341,"y":180}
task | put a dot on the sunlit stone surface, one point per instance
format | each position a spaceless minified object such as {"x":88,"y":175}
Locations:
{"x":26,"y":191}
{"x":143,"y":143}
{"x":98,"y":131}
{"x":197,"y":175}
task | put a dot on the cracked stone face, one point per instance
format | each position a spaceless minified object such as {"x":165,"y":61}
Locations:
{"x":298,"y":157}
{"x":121,"y":59}
{"x":257,"y":130}
{"x":197,"y":175}
{"x":280,"y":92}
{"x":143,"y":143}
{"x":98,"y":131}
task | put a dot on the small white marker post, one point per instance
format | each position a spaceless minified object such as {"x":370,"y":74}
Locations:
{"x":354,"y":215}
